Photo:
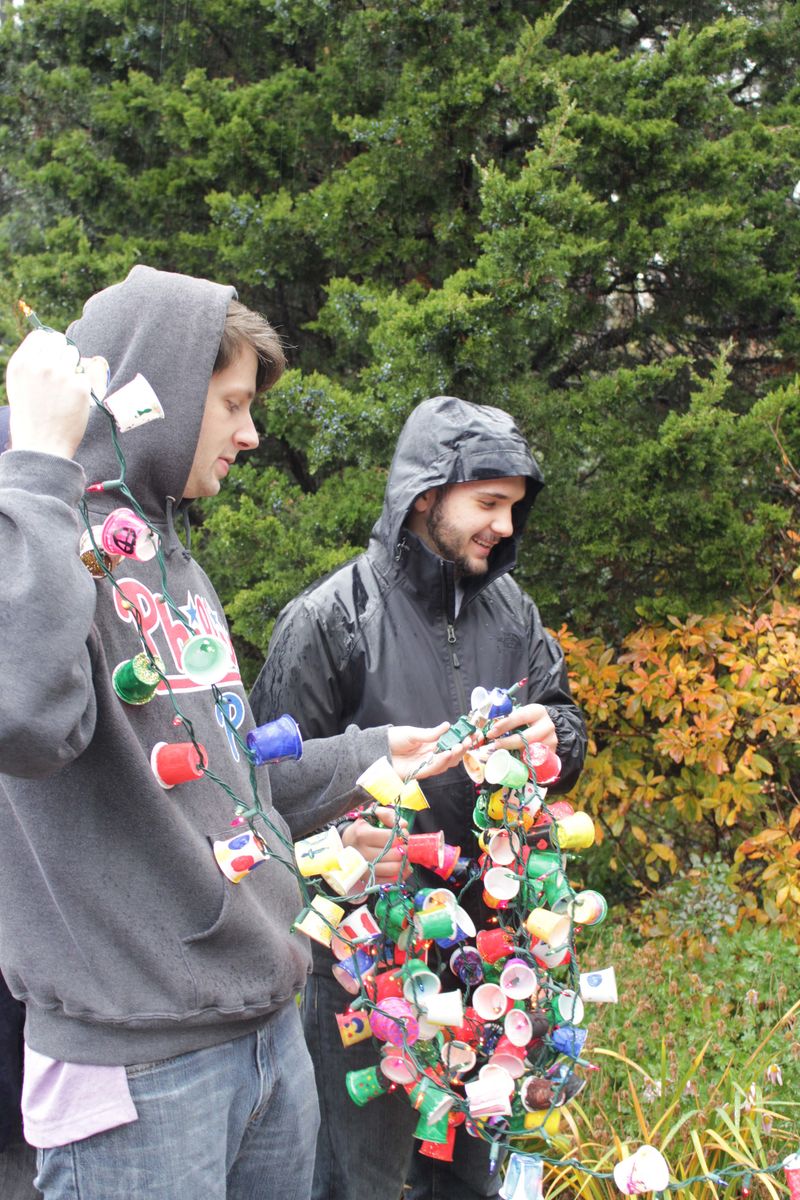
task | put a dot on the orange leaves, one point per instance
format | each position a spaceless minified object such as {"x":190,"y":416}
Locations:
{"x":753,"y":847}
{"x":745,"y":675}
{"x":692,"y":720}
{"x":717,"y":762}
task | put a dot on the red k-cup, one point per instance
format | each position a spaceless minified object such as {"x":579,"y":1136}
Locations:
{"x":494,"y":944}
{"x":423,"y":849}
{"x":449,"y":861}
{"x":509,"y":1056}
{"x":178,"y":762}
{"x":383,"y":985}
{"x":791,"y":1168}
{"x":557,"y":811}
{"x":470,"y":1030}
{"x":545,"y":763}
{"x":441,"y":1151}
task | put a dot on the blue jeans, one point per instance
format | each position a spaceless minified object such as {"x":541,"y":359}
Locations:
{"x":234,"y":1122}
{"x":368,"y":1153}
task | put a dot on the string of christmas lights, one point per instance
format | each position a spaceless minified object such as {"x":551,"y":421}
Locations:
{"x":501,"y":1049}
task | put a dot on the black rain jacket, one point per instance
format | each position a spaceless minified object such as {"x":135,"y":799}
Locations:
{"x":378,"y":641}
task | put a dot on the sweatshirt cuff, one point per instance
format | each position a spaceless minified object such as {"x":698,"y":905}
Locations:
{"x":43,"y":475}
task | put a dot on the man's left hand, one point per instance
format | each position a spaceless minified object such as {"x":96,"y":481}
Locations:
{"x":532,"y":723}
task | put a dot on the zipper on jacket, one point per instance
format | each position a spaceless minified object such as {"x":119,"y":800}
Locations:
{"x":452,"y":642}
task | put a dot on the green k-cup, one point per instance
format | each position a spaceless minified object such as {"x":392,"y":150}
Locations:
{"x":390,"y":913}
{"x":479,"y":818}
{"x":136,"y":680}
{"x":430,"y":1100}
{"x":434,"y":923}
{"x":433,"y":1131}
{"x":364,"y":1085}
{"x":540,"y":865}
{"x":505,"y":770}
{"x":419,"y":981}
{"x":557,"y":891}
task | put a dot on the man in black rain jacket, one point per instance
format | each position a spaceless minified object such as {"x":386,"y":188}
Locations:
{"x":402,"y":634}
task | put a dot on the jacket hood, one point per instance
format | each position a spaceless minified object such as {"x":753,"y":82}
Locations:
{"x":168,"y":328}
{"x":447,"y":440}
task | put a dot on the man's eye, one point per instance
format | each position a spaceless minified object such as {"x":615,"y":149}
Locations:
{"x":232,"y":406}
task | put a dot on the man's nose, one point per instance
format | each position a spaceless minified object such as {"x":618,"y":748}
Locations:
{"x":247,"y":435}
{"x":502,"y":522}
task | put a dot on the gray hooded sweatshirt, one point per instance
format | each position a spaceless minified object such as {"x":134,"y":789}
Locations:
{"x":117,"y":927}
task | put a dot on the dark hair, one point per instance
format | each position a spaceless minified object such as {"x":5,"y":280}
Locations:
{"x":243,"y":327}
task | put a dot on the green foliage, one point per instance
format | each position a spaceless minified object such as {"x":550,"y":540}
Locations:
{"x":271,"y":540}
{"x":698,"y":903}
{"x":700,"y":1058}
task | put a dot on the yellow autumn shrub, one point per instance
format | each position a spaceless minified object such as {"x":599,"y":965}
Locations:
{"x":694,"y":730}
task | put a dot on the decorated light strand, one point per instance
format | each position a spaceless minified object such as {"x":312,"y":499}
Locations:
{"x":395,"y":994}
{"x":432,"y":1038}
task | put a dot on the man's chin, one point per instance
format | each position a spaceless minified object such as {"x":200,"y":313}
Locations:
{"x":473,"y":566}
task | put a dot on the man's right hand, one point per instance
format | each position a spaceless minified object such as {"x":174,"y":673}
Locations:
{"x":409,"y":747}
{"x":49,"y":393}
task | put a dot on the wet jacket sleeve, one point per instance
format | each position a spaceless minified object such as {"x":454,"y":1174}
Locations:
{"x":304,"y":674}
{"x":47,"y":604}
{"x":548,"y":684}
{"x":300,"y":677}
{"x":320,"y":787}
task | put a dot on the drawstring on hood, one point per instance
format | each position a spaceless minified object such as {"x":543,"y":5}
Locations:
{"x":187,"y":529}
{"x":172,"y":542}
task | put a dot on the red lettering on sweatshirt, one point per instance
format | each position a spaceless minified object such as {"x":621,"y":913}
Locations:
{"x":165,"y":634}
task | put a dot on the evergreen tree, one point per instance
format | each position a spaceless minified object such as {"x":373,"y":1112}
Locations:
{"x":582,"y":213}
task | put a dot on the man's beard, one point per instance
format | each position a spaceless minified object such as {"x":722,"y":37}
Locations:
{"x":447,"y":540}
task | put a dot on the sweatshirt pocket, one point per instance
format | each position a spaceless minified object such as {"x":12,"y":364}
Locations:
{"x":246,"y":961}
{"x":219,"y":920}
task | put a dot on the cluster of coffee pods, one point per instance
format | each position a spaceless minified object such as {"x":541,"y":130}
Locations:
{"x":470,"y":989}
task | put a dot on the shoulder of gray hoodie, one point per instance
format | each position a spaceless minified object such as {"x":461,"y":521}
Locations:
{"x":85,"y":829}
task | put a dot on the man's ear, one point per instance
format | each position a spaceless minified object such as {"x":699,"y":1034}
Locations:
{"x":423,"y":502}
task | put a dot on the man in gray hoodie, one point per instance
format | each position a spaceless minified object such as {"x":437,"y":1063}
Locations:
{"x":164,"y":1058}
{"x":17,"y":1161}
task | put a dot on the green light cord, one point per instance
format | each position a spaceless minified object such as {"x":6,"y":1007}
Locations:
{"x":511,"y":919}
